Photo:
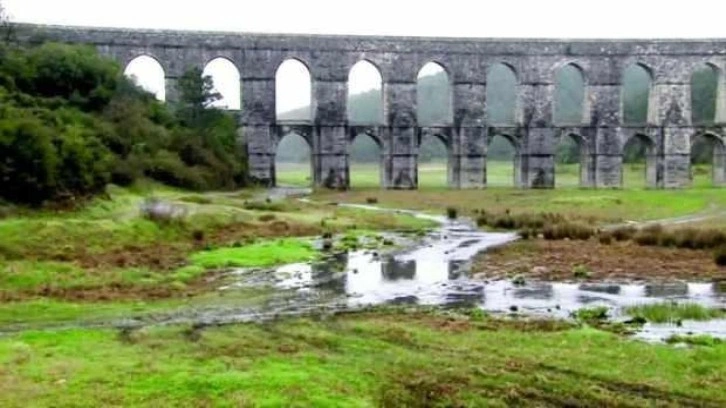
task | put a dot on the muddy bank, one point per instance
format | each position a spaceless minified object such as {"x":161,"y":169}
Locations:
{"x":592,"y":261}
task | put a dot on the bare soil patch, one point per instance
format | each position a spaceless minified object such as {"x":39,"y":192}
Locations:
{"x":619,"y":261}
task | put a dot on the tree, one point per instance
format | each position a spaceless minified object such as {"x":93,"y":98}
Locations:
{"x":196,"y":95}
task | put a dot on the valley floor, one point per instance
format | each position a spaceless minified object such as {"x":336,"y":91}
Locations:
{"x":64,"y":276}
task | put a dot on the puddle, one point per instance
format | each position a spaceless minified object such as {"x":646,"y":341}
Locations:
{"x":435,"y":272}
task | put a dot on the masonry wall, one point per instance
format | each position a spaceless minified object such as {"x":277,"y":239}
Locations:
{"x":602,"y":134}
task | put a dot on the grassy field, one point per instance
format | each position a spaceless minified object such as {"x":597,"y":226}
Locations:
{"x":370,"y":359}
{"x":110,"y":258}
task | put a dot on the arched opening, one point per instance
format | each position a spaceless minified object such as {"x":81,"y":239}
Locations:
{"x":501,"y":95}
{"x":434,"y":104}
{"x":226,"y":79}
{"x":704,"y":95}
{"x":569,"y":95}
{"x":636,"y":94}
{"x":433,"y":162}
{"x":502,"y":162}
{"x":707,"y":160}
{"x":293,"y":91}
{"x":638,"y":162}
{"x":293,"y":161}
{"x":365,"y":94}
{"x":365,"y":162}
{"x":570,"y":161}
{"x":147,"y":73}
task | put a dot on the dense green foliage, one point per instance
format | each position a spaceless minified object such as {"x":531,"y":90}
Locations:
{"x":70,"y":122}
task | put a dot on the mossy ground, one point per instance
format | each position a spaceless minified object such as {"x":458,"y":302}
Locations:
{"x":369,"y":359}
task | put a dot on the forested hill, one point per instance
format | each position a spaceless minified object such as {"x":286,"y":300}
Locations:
{"x":434,"y":104}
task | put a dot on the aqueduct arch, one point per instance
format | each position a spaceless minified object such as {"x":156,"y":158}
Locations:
{"x":534,"y":63}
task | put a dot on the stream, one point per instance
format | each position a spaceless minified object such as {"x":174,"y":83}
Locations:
{"x":429,"y":270}
{"x":435,"y":271}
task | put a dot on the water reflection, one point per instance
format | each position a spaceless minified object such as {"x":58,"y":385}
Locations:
{"x":436,"y":272}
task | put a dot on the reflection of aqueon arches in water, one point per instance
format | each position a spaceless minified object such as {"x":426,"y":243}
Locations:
{"x":293,"y":161}
{"x":365,"y":161}
{"x":365,"y":94}
{"x":571,"y":157}
{"x":434,"y":163}
{"x":226,"y":79}
{"x":708,"y":148}
{"x":502,"y":164}
{"x":293,"y":92}
{"x":147,"y":73}
{"x":639,"y":162}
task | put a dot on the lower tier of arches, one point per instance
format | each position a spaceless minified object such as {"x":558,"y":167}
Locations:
{"x":602,"y":156}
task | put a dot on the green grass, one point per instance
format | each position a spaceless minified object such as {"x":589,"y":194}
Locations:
{"x":264,"y":253}
{"x":374,"y":359}
{"x":669,"y":312}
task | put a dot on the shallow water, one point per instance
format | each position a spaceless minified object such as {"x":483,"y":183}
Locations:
{"x":436,"y":272}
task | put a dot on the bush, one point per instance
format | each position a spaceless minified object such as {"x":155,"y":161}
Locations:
{"x":651,"y":235}
{"x":581,"y":272}
{"x":719,"y":256}
{"x":40,"y":163}
{"x":605,"y":238}
{"x":568,"y":230}
{"x":452,"y":213}
{"x":624,"y":233}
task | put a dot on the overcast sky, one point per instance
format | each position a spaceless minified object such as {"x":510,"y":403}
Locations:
{"x":501,"y":18}
{"x":452,"y":18}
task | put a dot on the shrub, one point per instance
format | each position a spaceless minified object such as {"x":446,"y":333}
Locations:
{"x":624,"y":233}
{"x":568,"y":230}
{"x":40,"y":162}
{"x":605,"y":238}
{"x":267,"y":217}
{"x":719,"y":256}
{"x":591,"y":314}
{"x":581,"y":272}
{"x":198,"y":235}
{"x":647,"y":238}
{"x":452,"y":213}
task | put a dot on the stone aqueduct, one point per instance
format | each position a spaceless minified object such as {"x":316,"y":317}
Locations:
{"x":668,"y":132}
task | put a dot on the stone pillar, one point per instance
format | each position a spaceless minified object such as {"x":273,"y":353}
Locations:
{"x":607,"y":158}
{"x":400,"y":141}
{"x":469,"y":137}
{"x":330,"y":141}
{"x":258,"y":117}
{"x":537,"y":160}
{"x":719,"y":164}
{"x":604,"y":118}
{"x":673,"y":147}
